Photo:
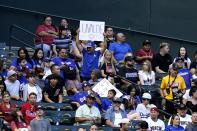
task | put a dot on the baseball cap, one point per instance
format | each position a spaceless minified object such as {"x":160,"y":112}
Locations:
{"x":10,"y":73}
{"x":174,"y":66}
{"x":85,"y":83}
{"x":154,"y":109}
{"x":129,"y":58}
{"x":146,"y":42}
{"x":146,"y":96}
{"x":116,"y":99}
{"x":90,"y":44}
{"x":179,"y":59}
{"x":125,"y":121}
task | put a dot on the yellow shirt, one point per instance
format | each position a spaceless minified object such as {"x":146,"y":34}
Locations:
{"x":179,"y":82}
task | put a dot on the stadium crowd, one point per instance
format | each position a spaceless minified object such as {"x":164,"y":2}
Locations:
{"x":62,"y":65}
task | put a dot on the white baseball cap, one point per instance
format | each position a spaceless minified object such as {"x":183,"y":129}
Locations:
{"x":146,"y":96}
{"x":10,"y":73}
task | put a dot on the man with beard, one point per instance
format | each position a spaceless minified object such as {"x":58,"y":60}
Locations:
{"x":87,"y":114}
{"x":115,"y":114}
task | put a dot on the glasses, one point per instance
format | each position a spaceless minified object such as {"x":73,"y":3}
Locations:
{"x":146,"y":99}
{"x":109,"y":30}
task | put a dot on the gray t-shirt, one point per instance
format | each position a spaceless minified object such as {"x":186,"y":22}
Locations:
{"x":191,"y":127}
{"x":40,"y":125}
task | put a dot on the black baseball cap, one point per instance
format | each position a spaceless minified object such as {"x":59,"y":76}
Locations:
{"x":129,"y":58}
{"x":146,"y":42}
{"x":179,"y":59}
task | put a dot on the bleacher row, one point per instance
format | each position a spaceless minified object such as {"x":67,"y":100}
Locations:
{"x":62,"y":116}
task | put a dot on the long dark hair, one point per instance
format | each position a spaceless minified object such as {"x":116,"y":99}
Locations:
{"x":173,"y":117}
{"x":15,"y":116}
{"x":3,"y":83}
{"x":186,"y":55}
{"x":35,"y":56}
{"x":27,"y":58}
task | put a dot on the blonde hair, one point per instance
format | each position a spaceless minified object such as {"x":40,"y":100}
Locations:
{"x":149,"y":66}
{"x":112,"y":60}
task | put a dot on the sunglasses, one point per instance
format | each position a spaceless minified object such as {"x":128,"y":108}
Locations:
{"x":146,"y":99}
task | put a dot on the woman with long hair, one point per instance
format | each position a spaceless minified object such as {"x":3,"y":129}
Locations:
{"x":183,"y":54}
{"x":108,"y":65}
{"x":18,"y":123}
{"x":22,"y":55}
{"x":38,"y":57}
{"x":174,"y":124}
{"x":146,"y":75}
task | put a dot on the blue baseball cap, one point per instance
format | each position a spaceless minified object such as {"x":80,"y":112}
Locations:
{"x":85,"y":83}
{"x":91,"y":44}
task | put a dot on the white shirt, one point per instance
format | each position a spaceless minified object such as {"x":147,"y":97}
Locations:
{"x":47,"y":72}
{"x":32,"y":89}
{"x":143,"y":111}
{"x":118,"y":118}
{"x":146,"y":78}
{"x":85,"y":111}
{"x":186,"y":95}
{"x":13,"y":88}
{"x":155,"y":126}
{"x":184,"y":121}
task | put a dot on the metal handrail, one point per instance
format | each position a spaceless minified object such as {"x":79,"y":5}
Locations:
{"x":24,"y":43}
{"x":134,"y":31}
{"x":21,"y":28}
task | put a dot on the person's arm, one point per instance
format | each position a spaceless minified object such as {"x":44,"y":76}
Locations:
{"x":158,"y":70}
{"x":153,"y":78}
{"x":163,"y":88}
{"x":109,"y":123}
{"x":141,"y":78}
{"x":78,"y":43}
{"x":60,"y":99}
{"x":103,"y":74}
{"x":47,"y":99}
{"x":54,"y":49}
{"x":76,"y":51}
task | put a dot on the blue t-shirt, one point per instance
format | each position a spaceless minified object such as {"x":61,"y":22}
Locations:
{"x":119,"y":50}
{"x":25,"y":70}
{"x":30,"y":65}
{"x":172,"y":128}
{"x":4,"y":73}
{"x":90,"y":62}
{"x":79,"y":97}
{"x":106,"y":104}
{"x":187,"y":76}
{"x":59,"y":61}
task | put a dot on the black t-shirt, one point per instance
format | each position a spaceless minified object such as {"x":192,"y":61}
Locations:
{"x":129,"y":74}
{"x":193,"y":65}
{"x":107,"y":67}
{"x":162,"y":61}
{"x":53,"y":93}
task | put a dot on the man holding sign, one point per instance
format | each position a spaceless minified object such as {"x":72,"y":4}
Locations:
{"x":89,"y":33}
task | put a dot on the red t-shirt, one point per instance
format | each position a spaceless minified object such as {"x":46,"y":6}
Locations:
{"x":44,"y":39}
{"x":6,"y":112}
{"x":142,"y":52}
{"x":17,"y":125}
{"x":29,"y":112}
